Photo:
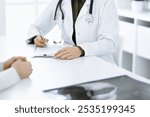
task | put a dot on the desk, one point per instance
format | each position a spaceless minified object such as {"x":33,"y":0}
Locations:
{"x":68,"y":72}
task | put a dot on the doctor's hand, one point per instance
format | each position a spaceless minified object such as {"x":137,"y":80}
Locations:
{"x":40,"y":41}
{"x":23,"y":68}
{"x":7,"y":64}
{"x":68,"y":53}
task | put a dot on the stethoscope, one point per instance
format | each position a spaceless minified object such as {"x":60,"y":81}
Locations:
{"x":89,"y":19}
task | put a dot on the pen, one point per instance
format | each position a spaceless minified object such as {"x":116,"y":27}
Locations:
{"x":43,"y":39}
{"x":45,"y":43}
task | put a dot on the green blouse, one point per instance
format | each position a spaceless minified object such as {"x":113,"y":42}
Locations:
{"x":76,"y":7}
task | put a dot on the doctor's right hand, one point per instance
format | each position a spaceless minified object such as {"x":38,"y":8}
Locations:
{"x":39,"y":41}
{"x":23,"y":68}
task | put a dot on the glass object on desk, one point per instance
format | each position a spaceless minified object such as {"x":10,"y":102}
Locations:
{"x":116,"y":88}
{"x":88,"y":91}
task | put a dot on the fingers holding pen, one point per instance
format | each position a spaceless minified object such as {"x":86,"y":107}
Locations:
{"x":40,"y":41}
{"x":39,"y":44}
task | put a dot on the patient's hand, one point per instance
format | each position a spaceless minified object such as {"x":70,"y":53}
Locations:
{"x":7,"y":64}
{"x":23,"y":68}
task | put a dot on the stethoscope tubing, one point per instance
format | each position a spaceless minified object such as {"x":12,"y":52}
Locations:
{"x":91,"y":7}
{"x":59,"y":4}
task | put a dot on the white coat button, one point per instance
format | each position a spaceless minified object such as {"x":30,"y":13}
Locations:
{"x":78,"y":33}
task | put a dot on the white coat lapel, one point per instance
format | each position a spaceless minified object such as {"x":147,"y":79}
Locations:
{"x":67,"y":8}
{"x":85,"y":9}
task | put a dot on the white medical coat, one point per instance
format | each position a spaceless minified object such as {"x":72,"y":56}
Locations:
{"x":98,"y":38}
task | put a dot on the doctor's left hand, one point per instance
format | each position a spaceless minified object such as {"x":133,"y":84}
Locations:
{"x":68,"y":53}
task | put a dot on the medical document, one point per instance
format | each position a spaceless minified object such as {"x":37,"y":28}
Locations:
{"x":47,"y":51}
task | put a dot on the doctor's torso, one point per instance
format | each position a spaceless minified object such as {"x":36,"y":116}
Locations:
{"x":85,"y":31}
{"x":96,"y":36}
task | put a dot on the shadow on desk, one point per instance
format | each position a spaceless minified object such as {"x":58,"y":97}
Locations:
{"x":118,"y":88}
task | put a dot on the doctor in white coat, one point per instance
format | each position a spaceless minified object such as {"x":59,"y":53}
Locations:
{"x":92,"y":32}
{"x":13,"y":70}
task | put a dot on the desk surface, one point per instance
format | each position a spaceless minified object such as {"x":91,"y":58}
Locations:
{"x":50,"y":73}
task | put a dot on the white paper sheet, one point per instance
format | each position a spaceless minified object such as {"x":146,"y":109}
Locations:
{"x":46,"y":51}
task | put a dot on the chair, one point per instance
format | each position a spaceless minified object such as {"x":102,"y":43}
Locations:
{"x":119,"y":50}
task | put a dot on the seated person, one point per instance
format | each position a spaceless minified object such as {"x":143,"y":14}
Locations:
{"x":13,"y":70}
{"x":90,"y":26}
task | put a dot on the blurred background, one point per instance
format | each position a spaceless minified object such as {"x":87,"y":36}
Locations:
{"x":134,"y":16}
{"x":20,"y":14}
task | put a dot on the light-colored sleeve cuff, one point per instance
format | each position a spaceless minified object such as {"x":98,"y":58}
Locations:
{"x":100,"y":48}
{"x":8,"y":78}
{"x":33,"y":31}
{"x":1,"y":67}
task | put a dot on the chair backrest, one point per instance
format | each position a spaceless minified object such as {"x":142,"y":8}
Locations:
{"x":119,"y":50}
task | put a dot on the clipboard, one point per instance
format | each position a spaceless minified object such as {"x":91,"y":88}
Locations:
{"x":46,"y":52}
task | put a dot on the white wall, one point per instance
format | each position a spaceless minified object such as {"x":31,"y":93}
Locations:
{"x":123,"y":3}
{"x":2,"y":17}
